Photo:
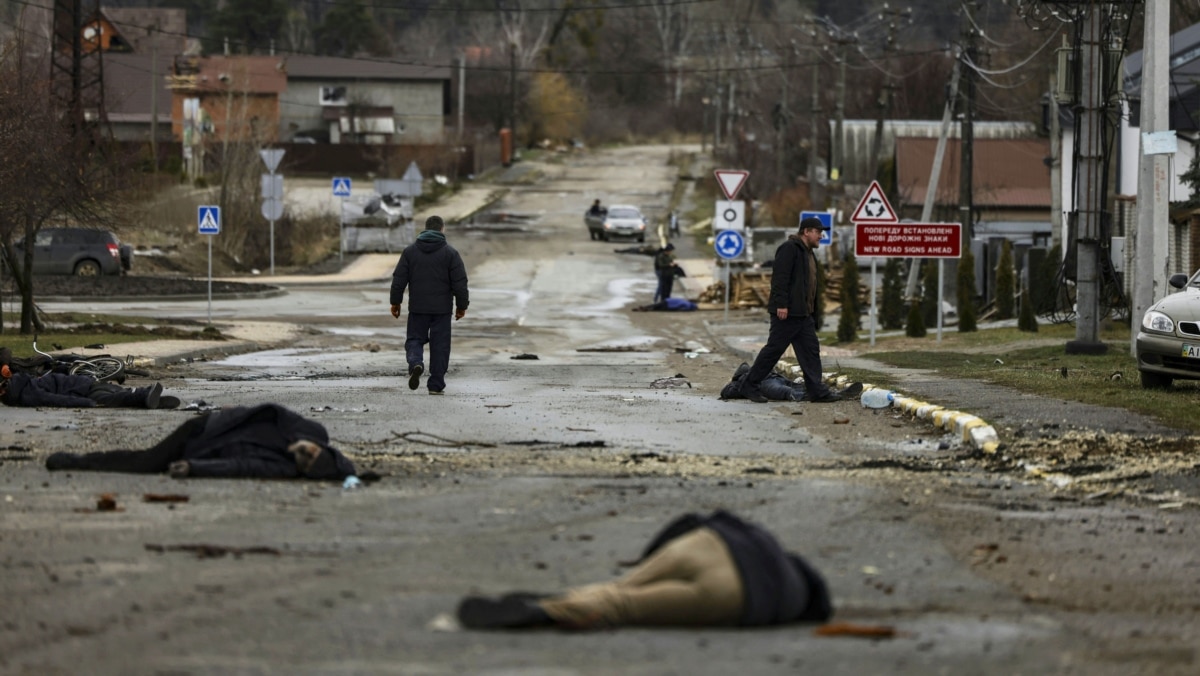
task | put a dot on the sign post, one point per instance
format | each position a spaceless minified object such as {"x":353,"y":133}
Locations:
{"x":272,"y":193}
{"x":729,"y":244}
{"x":873,"y":208}
{"x":341,"y":188}
{"x":208,"y":219}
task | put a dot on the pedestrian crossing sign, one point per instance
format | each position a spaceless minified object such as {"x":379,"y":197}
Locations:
{"x":341,"y":186}
{"x":209,"y":220}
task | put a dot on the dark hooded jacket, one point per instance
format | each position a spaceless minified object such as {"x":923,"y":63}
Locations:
{"x":434,"y":274}
{"x":50,"y":389}
{"x":791,"y":273}
{"x":252,"y":441}
{"x":779,"y":587}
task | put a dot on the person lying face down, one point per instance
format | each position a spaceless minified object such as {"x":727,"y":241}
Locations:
{"x":718,"y":570}
{"x":266,"y":441}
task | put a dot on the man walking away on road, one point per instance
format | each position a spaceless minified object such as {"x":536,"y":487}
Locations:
{"x":436,"y":280}
{"x":792,"y":307}
{"x":664,"y":270}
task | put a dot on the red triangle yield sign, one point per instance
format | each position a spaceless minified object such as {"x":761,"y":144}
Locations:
{"x":731,"y":181}
{"x":874,"y":207}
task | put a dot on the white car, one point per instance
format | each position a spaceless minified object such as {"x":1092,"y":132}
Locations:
{"x":1168,"y":344}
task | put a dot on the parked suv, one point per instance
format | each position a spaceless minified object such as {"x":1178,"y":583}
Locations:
{"x":78,"y":251}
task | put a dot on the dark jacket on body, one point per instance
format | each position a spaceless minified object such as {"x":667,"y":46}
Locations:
{"x":50,"y":389}
{"x":793,"y":279}
{"x":779,"y":587}
{"x":252,"y":441}
{"x":434,"y":275}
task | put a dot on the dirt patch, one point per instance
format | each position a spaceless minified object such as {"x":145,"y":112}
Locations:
{"x":50,"y":286}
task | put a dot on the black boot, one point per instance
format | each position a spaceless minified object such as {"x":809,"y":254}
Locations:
{"x":510,"y":612}
{"x":61,"y":461}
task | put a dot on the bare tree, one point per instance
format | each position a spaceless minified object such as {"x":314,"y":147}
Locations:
{"x":48,"y":173}
{"x":673,"y":24}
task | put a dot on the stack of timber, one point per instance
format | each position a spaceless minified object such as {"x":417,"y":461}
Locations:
{"x":752,"y":288}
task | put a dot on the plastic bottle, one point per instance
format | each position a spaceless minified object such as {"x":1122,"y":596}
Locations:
{"x":351,"y":483}
{"x":876,"y":398}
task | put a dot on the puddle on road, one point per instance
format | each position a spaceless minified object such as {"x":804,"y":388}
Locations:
{"x":498,"y":221}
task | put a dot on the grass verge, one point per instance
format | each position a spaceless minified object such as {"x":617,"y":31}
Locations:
{"x":1037,"y":363}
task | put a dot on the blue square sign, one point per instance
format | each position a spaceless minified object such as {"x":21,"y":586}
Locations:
{"x":209,"y":220}
{"x":341,"y":186}
{"x":826,"y":219}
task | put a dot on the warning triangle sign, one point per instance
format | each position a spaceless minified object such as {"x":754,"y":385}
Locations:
{"x":874,"y":207}
{"x":731,"y":181}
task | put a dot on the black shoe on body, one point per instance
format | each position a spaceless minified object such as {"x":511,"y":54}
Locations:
{"x":851,"y":391}
{"x":167,"y":401}
{"x":827,"y":398}
{"x":60,"y":461}
{"x":153,"y":396}
{"x":477,"y":612}
{"x":414,"y":376}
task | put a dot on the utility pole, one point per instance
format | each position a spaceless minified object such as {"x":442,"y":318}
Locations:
{"x":966,"y":201}
{"x":154,"y":84}
{"x":1150,"y":234}
{"x":781,"y":117}
{"x":816,"y":195}
{"x":1056,"y":169}
{"x":885,"y":91}
{"x":1089,"y":183}
{"x":462,"y":92}
{"x":835,"y":172}
{"x":512,"y":90}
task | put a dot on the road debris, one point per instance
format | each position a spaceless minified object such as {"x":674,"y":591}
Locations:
{"x":206,"y":551}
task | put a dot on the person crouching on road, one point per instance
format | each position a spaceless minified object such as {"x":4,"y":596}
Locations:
{"x":792,"y":308}
{"x":664,"y":270}
{"x":433,"y":273}
{"x":77,"y":391}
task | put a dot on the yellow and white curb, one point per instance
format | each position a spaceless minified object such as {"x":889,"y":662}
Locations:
{"x":970,"y":428}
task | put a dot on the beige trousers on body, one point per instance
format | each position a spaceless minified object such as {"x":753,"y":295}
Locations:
{"x":692,"y":580}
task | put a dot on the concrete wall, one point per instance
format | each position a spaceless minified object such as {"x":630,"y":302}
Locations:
{"x":417,"y":106}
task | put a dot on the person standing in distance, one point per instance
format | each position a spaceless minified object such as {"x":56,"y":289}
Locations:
{"x":436,"y":279}
{"x":792,"y":307}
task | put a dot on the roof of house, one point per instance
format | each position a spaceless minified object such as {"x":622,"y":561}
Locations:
{"x":238,"y":73}
{"x":339,"y":68}
{"x":1009,"y":173}
{"x":149,"y":29}
{"x":128,"y":81}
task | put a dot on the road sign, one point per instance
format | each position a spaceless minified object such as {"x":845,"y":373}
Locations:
{"x":272,"y":209}
{"x":272,"y":186}
{"x":729,"y":244}
{"x":874,"y":207}
{"x":271,"y":158}
{"x":209,"y":220}
{"x":412,"y":181}
{"x":908,"y":240}
{"x":341,"y":186}
{"x":730,"y":215}
{"x":826,"y":219}
{"x":731,"y":181}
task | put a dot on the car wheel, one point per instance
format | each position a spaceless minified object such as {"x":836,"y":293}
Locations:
{"x":641,"y":239}
{"x":88,"y":268}
{"x":1155,"y":381}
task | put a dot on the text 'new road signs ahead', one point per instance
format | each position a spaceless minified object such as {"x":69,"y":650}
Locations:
{"x":908,"y":240}
{"x":729,"y":244}
{"x":209,"y":220}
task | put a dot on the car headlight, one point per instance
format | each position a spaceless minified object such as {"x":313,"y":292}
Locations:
{"x":1157,"y":321}
{"x":641,"y":226}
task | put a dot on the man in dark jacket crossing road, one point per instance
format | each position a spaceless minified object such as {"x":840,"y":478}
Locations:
{"x":792,"y":307}
{"x":436,"y":279}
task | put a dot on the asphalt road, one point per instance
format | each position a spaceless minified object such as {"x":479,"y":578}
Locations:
{"x":539,"y":474}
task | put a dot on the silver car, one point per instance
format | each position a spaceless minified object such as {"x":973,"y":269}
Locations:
{"x":1168,"y":344}
{"x":623,"y":220}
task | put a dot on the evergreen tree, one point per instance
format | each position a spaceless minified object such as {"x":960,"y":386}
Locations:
{"x":1042,"y":290}
{"x":1026,"y":321}
{"x":249,"y":25}
{"x":891,"y":306}
{"x":929,"y":292}
{"x":349,"y":30}
{"x":819,"y":318}
{"x":1006,"y":282}
{"x":966,"y":292}
{"x":916,"y":322}
{"x":847,"y":331}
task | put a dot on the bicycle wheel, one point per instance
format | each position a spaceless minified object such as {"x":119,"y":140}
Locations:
{"x":101,"y":368}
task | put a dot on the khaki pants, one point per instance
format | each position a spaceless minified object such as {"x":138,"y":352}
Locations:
{"x":692,"y":580}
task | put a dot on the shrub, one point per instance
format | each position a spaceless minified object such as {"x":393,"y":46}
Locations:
{"x":916,"y":322}
{"x":1026,"y":320}
{"x":891,"y":306}
{"x":1006,"y":282}
{"x":966,"y":293}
